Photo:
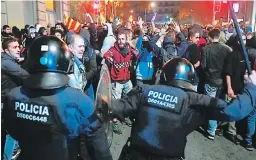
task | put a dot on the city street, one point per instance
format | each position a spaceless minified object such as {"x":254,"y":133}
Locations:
{"x":70,"y":68}
{"x":198,"y":148}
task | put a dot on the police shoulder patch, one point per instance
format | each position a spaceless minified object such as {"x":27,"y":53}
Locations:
{"x":31,"y":112}
{"x":164,"y":100}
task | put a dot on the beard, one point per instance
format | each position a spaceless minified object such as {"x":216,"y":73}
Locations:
{"x":124,"y":50}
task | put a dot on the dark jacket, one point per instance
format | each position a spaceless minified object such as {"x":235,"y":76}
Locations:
{"x":165,"y":52}
{"x":169,"y":50}
{"x":214,"y":58}
{"x":236,"y":68}
{"x":93,"y":36}
{"x":165,"y":115}
{"x":90,"y":64}
{"x":5,"y":35}
{"x":252,"y":57}
{"x":12,"y":74}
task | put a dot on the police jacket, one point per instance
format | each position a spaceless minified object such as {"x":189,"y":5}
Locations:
{"x":165,"y":115}
{"x":12,"y":74}
{"x":47,"y":123}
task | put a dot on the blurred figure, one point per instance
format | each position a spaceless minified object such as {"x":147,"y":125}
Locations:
{"x":62,"y":27}
{"x":37,"y":27}
{"x":59,"y":33}
{"x":16,"y":32}
{"x":42,"y":31}
{"x":6,"y":32}
{"x":52,"y":30}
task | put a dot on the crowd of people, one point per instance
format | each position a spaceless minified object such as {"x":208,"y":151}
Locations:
{"x":135,"y":54}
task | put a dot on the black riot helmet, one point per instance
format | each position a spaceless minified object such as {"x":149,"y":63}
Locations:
{"x":178,"y":72}
{"x":48,"y":62}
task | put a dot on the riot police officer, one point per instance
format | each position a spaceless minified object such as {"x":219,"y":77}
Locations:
{"x":45,"y":115}
{"x":165,"y":114}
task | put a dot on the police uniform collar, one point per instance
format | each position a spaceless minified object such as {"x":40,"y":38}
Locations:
{"x":46,"y":80}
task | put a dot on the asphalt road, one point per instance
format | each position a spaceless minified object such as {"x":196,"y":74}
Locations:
{"x":198,"y":147}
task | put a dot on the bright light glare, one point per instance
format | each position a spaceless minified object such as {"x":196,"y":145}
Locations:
{"x":182,"y":68}
{"x":53,"y":48}
{"x":152,"y":4}
{"x":95,"y":6}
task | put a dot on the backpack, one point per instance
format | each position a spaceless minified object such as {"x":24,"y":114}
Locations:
{"x":145,"y":67}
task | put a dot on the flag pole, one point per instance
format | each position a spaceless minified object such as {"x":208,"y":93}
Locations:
{"x":238,"y":31}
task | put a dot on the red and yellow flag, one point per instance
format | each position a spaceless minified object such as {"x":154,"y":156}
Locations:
{"x":72,"y":24}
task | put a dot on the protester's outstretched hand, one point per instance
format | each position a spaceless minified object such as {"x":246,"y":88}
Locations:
{"x":251,"y":78}
{"x":154,"y":17}
{"x":58,"y":21}
{"x":140,"y":21}
{"x":117,"y":21}
{"x":89,"y":16}
{"x":176,"y":27}
{"x":163,"y":31}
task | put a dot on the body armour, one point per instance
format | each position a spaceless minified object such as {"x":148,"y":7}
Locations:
{"x":159,"y":128}
{"x":44,"y":121}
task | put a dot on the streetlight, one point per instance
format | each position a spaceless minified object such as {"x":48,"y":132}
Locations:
{"x":130,"y":18}
{"x":151,"y":5}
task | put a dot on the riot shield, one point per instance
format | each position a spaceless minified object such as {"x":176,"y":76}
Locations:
{"x":104,"y":91}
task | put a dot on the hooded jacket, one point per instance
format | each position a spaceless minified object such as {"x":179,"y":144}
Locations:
{"x":119,"y":66}
{"x":109,"y":40}
{"x":168,"y":49}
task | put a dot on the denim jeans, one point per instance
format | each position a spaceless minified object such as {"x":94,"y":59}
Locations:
{"x":251,"y":119}
{"x":211,"y":91}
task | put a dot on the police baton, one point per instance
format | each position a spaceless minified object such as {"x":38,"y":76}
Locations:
{"x":238,"y":31}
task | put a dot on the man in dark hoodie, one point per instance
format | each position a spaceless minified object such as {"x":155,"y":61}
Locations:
{"x":169,"y":50}
{"x":12,"y":76}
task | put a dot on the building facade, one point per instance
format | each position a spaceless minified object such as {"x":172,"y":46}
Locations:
{"x":20,"y":13}
{"x":164,"y":9}
{"x":253,"y":16}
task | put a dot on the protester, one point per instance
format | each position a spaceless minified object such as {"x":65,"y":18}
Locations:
{"x":118,"y":59}
{"x":214,"y":58}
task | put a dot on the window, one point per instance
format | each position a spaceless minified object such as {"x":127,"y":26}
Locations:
{"x":51,"y":17}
